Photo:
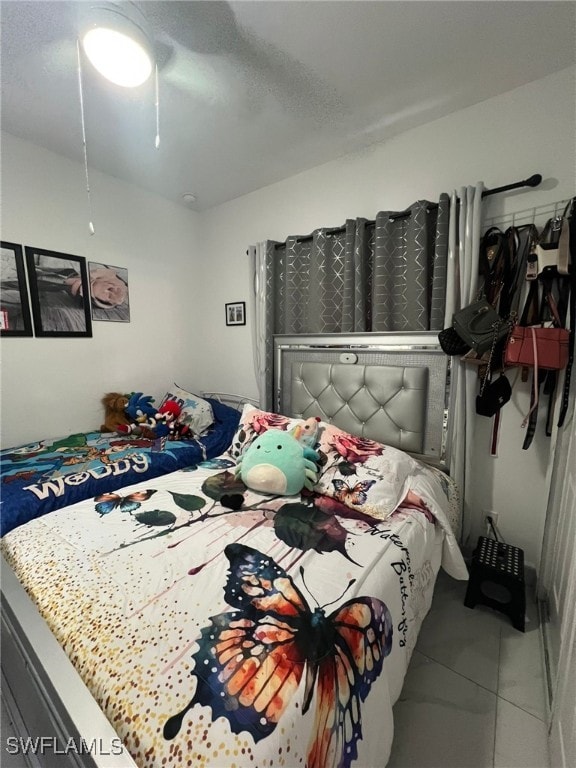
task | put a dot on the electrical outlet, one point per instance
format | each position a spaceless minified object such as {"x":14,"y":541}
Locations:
{"x":488,"y":513}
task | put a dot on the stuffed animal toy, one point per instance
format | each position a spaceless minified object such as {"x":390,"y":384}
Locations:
{"x":167,"y":424}
{"x":140,"y":413}
{"x":163,"y":423}
{"x":276,"y":463}
{"x":139,"y":406}
{"x":114,"y":411}
{"x":307,"y":435}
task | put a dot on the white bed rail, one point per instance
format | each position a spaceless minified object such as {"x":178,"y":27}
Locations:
{"x":233,"y":400}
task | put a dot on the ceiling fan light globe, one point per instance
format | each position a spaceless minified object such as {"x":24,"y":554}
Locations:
{"x":120,"y":58}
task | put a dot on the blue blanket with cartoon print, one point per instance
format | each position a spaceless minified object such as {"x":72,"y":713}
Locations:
{"x":50,"y":474}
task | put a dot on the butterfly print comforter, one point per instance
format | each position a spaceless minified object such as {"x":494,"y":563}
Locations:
{"x":41,"y":477}
{"x":218,"y":627}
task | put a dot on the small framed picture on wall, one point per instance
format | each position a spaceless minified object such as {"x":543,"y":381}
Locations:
{"x":236,"y":313}
{"x":59,"y":293}
{"x":15,"y":319}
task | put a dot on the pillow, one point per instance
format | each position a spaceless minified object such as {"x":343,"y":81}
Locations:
{"x":254,"y":422}
{"x":361,"y":473}
{"x":196,"y":412}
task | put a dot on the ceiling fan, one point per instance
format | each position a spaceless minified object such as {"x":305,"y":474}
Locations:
{"x":200,"y":49}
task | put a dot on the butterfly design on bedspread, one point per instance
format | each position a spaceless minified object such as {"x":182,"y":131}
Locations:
{"x":355,"y":494}
{"x":251,"y":660}
{"x":108,"y":502}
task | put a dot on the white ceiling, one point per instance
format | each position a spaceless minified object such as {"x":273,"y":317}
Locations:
{"x":254,"y":92}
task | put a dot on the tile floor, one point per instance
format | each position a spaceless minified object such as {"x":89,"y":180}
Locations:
{"x":474,"y":695}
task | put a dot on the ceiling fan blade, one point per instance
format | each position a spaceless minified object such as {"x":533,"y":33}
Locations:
{"x":165,"y":54}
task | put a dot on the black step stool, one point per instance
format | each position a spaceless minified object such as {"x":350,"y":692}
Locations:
{"x":502,"y":565}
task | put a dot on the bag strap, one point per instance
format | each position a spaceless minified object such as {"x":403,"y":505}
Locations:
{"x":549,"y":301}
{"x":557,"y":313}
{"x":550,"y":390}
{"x":491,"y":248}
{"x":535,"y":387}
{"x":564,"y":248}
{"x":488,"y":368}
{"x":531,"y":311}
{"x":530,"y":431}
{"x":525,"y":238}
{"x":572,"y":314}
{"x":494,"y":264}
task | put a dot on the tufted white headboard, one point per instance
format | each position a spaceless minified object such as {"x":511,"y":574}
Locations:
{"x":392,"y":388}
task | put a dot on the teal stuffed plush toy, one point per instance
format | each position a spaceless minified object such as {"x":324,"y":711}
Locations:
{"x":278,"y":464}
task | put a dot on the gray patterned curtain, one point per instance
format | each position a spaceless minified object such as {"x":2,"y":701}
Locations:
{"x":386,"y":275}
{"x":410,"y":256}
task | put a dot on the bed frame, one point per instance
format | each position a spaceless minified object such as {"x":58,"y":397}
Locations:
{"x":389,"y":387}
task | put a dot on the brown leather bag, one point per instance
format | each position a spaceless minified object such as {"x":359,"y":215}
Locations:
{"x":535,"y":347}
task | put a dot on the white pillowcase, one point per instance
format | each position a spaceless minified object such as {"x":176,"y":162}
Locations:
{"x":362,"y":474}
{"x":196,"y":412}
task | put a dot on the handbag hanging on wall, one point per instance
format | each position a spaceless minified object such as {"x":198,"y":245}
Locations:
{"x":493,"y":397}
{"x":542,"y":349}
{"x":530,"y":344}
{"x":451,"y":343}
{"x":536,"y":347}
{"x":478,"y":324}
{"x":465,"y":335}
{"x":502,"y":261}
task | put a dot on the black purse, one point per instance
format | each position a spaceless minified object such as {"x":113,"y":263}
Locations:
{"x":493,"y":396}
{"x":451,"y":343}
{"x":479,"y":325}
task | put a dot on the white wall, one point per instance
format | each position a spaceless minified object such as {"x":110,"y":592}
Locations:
{"x":52,"y":386}
{"x":501,"y":140}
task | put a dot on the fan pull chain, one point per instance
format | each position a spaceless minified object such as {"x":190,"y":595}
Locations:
{"x":90,"y":224}
{"x":157,"y":105}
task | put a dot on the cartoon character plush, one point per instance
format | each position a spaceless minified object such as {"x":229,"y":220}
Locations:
{"x":114,"y":411}
{"x":167,"y":423}
{"x":140,"y":413}
{"x":139,"y":406}
{"x":162,"y":423}
{"x":278,"y":464}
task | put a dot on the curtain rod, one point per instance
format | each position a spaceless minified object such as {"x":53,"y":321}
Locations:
{"x":532,"y":181}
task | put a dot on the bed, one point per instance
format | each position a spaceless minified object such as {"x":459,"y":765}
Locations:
{"x":193,"y":621}
{"x":49,"y":474}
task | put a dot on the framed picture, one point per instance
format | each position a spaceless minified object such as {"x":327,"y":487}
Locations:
{"x":109,"y":299}
{"x":15,"y":317}
{"x":59,"y":293}
{"x":236,"y":313}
